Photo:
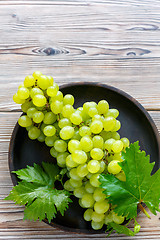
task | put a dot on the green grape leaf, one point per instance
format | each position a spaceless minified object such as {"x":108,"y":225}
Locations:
{"x":121,"y":229}
{"x":140,"y":186}
{"x":36,"y":191}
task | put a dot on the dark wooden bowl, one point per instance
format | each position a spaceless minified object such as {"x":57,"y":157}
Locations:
{"x":136,"y":125}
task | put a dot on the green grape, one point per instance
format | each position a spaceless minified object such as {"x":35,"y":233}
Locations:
{"x":84,"y":130}
{"x":94,"y":180}
{"x":66,"y":132}
{"x":34,"y":91}
{"x":92,"y":111}
{"x":49,"y":130}
{"x":102,"y":167}
{"x":117,"y":219}
{"x":96,"y":126}
{"x":51,"y":81}
{"x":116,"y":135}
{"x":39,"y":100}
{"x":102,"y":107}
{"x":17,"y":99}
{"x":97,"y":117}
{"x":108,"y":144}
{"x":112,"y":113}
{"x":43,"y":125}
{"x":117,"y":146}
{"x":64,"y":122}
{"x":86,"y":143}
{"x":49,"y":118}
{"x":69,"y":162}
{"x":60,"y":145}
{"x":73,"y":174}
{"x":41,"y":137}
{"x":26,"y":105}
{"x":23,"y":93}
{"x":121,"y":176}
{"x":109,"y":123}
{"x":79,"y":156}
{"x":106,"y":135}
{"x":29,"y":81}
{"x":58,"y":97}
{"x":97,"y":153}
{"x":34,"y":133}
{"x":101,"y":206}
{"x":21,"y":85}
{"x":125,"y":142}
{"x":75,"y":183}
{"x":49,"y":141}
{"x":98,"y":195}
{"x":89,"y":188}
{"x":93,"y":166}
{"x":36,"y":74}
{"x":61,"y":159}
{"x":89,"y":175}
{"x":74,"y":145}
{"x":88,"y":214}
{"x":68,"y":99}
{"x":98,"y":142}
{"x":97,"y":217}
{"x":68,"y":186}
{"x":117,"y":126}
{"x":43,"y":82}
{"x":137,"y":228}
{"x":82,"y":170}
{"x":118,"y":156}
{"x":113,"y":167}
{"x":97,"y":225}
{"x":67,"y":110}
{"x":52,"y":91}
{"x":75,"y":118}
{"x":76,"y":135}
{"x":38,"y":116}
{"x":31,"y":111}
{"x":24,"y":121}
{"x":87,"y":200}
{"x":108,"y":218}
{"x":53,"y":152}
{"x":56,"y":107}
{"x":79,"y":192}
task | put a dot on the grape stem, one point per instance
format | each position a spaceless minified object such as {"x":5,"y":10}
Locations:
{"x":143,"y":210}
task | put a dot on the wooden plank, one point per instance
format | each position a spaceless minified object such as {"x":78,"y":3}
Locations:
{"x":122,"y":51}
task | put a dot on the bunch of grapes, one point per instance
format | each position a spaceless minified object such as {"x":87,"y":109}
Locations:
{"x":83,"y":140}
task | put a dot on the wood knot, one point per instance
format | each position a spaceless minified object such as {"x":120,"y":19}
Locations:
{"x":50,"y":51}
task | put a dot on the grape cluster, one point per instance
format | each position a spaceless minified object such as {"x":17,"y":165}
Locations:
{"x":83,"y":140}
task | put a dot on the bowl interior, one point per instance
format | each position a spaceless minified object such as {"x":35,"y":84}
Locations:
{"x":136,"y":125}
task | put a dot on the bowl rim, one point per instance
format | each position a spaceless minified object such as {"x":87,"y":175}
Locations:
{"x":96,"y":84}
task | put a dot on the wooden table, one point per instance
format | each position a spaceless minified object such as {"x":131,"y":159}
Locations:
{"x":110,"y":41}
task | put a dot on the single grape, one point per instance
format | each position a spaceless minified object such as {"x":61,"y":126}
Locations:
{"x":109,"y":123}
{"x":93,"y":166}
{"x":103,"y":107}
{"x":34,"y":91}
{"x":96,"y":126}
{"x":26,"y":105}
{"x":51,"y":81}
{"x":68,"y":186}
{"x":86,"y":143}
{"x":49,"y":130}
{"x":64,"y":122}
{"x":58,"y":97}
{"x":61,"y":159}
{"x":74,"y":145}
{"x":68,"y":99}
{"x":34,"y":133}
{"x":116,"y":135}
{"x":66,"y":132}
{"x":117,"y":146}
{"x":97,"y":153}
{"x":49,"y":118}
{"x":113,"y":167}
{"x":117,"y":219}
{"x":97,"y":217}
{"x":24,"y":121}
{"x":125,"y":142}
{"x":52,"y":91}
{"x":88,"y":214}
{"x":23,"y":93}
{"x":60,"y":145}
{"x":67,"y":110}
{"x":73,"y":174}
{"x":101,"y":207}
{"x":112,"y":113}
{"x":75,"y":118}
{"x":38,"y":116}
{"x":137,"y":228}
{"x":53,"y":152}
{"x":29,"y":81}
{"x":36,"y":74}
{"x":31,"y":111}
{"x":41,"y":137}
{"x":117,"y":126}
{"x":89,"y":188}
{"x":75,"y":183}
{"x":121,"y":176}
{"x":97,"y":225}
{"x":49,"y":141}
{"x":94,"y":180}
{"x":69,"y":162}
{"x":87,"y":200}
{"x":79,"y":192}
{"x":84,"y":130}
{"x":98,"y":142}
{"x":108,"y":144}
{"x":92,"y":111}
{"x":98,"y":195}
{"x":17,"y":99}
{"x":108,"y":218}
{"x":82,"y":170}
{"x":79,"y":156}
{"x":56,"y":106}
{"x":43,"y":82}
{"x":39,"y":100}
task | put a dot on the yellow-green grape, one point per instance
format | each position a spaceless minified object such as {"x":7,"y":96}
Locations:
{"x":109,"y":123}
{"x":17,"y":99}
{"x":98,"y":142}
{"x":79,"y":192}
{"x":39,"y":100}
{"x":73,"y":174}
{"x":86,"y":143}
{"x":116,"y":135}
{"x":49,"y":118}
{"x":49,"y":130}
{"x":112,"y":113}
{"x":58,"y":97}
{"x":41,"y":137}
{"x":117,"y":146}
{"x":34,"y":91}
{"x":38,"y":116}
{"x":101,"y":207}
{"x":64,"y":122}
{"x":102,"y":167}
{"x":26,"y":105}
{"x":108,"y":218}
{"x":106,"y":135}
{"x":66,"y":132}
{"x":43,"y":82}
{"x":60,"y":145}
{"x":34,"y":133}
{"x":56,"y":107}
{"x":74,"y":145}
{"x":70,"y":163}
{"x":31,"y":111}
{"x":103,"y":107}
{"x":97,"y":117}
{"x":137,"y":228}
{"x":68,"y":186}
{"x":51,"y":81}
{"x":75,"y":183}
{"x":37,"y":74}
{"x":68,"y":99}
{"x":29,"y":81}
{"x":92,"y":111}
{"x":97,"y":217}
{"x":52,"y":91}
{"x":108,"y":144}
{"x":61,"y":159}
{"x":97,"y":225}
{"x":79,"y":156}
{"x":24,"y":121}
{"x":94,"y":180}
{"x":84,"y":130}
{"x":118,"y":156}
{"x":117,"y":219}
{"x":117,"y":126}
{"x":89,"y":188}
{"x":49,"y":141}
{"x":87,"y":200}
{"x":23,"y":93}
{"x":98,"y":195}
{"x":67,"y":110}
{"x":82,"y":170}
{"x":113,"y":167}
{"x":76,"y":118}
{"x":97,"y":153}
{"x":88,"y":214}
{"x":96,"y":126}
{"x":76,"y":135}
{"x":121,"y":176}
{"x":21,"y":85}
{"x":93,"y":166}
{"x":125,"y":142}
{"x":53,"y":152}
